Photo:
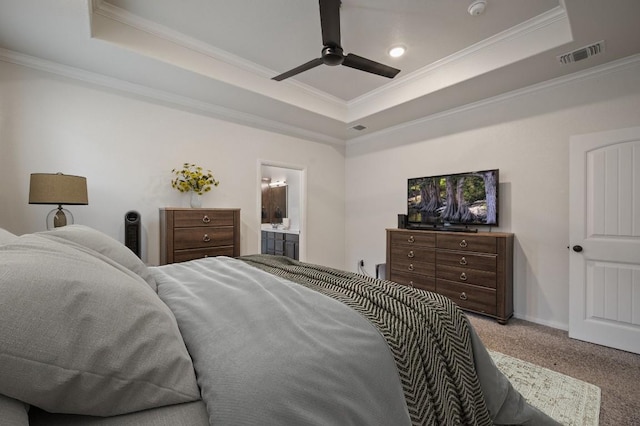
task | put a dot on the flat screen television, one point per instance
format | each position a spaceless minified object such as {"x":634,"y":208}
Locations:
{"x":459,"y":199}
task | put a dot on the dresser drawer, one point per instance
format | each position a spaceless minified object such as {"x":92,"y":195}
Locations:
{"x":466,"y":242}
{"x":415,"y":266}
{"x":419,"y":254}
{"x":467,"y":276}
{"x":413,"y":239}
{"x":470,"y":297}
{"x":186,"y":238}
{"x":184,"y":255}
{"x":467,"y":260}
{"x":202,"y":217}
{"x":414,"y":280}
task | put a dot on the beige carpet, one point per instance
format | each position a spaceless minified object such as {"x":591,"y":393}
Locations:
{"x":569,"y":401}
{"x":616,"y":373}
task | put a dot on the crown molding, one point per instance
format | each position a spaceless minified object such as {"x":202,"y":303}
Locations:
{"x":399,"y":90}
{"x":250,"y":120}
{"x":209,"y":109}
{"x":532,"y":25}
{"x":109,"y":11}
{"x":115,"y":13}
{"x":545,"y":26}
{"x":600,"y":70}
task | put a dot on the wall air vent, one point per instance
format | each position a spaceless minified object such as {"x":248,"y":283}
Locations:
{"x":358,"y":127}
{"x":582,"y":53}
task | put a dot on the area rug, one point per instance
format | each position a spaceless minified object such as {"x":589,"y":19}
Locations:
{"x":570,"y":401}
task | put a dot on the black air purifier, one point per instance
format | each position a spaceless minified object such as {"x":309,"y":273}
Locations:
{"x":132,"y":231}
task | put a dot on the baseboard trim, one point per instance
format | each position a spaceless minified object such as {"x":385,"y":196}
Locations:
{"x":552,"y":324}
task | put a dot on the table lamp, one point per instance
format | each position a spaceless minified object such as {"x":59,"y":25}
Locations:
{"x":57,"y":188}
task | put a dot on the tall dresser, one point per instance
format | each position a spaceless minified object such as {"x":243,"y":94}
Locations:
{"x":187,"y":234}
{"x":475,"y":270}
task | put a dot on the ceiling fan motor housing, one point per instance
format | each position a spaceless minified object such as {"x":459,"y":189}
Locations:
{"x":332,"y":55}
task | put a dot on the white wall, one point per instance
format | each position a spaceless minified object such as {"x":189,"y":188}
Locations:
{"x":126,"y":148}
{"x":527,"y":138}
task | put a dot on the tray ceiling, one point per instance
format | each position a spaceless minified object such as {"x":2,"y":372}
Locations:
{"x":218,"y":57}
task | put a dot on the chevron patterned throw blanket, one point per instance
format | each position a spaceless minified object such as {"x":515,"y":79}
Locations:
{"x":427,"y":334}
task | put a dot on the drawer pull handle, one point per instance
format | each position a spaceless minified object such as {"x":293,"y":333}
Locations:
{"x":463,"y":243}
{"x":463,"y":296}
{"x":411,"y":255}
{"x":463,"y":276}
{"x":206,"y":238}
{"x":410,"y":267}
{"x":463,"y":261}
{"x":411,"y":239}
{"x":206,"y":255}
{"x":206,"y":219}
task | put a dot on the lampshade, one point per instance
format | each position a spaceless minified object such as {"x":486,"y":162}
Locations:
{"x":57,"y":188}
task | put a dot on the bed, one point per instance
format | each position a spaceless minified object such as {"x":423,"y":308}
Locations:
{"x":90,"y":335}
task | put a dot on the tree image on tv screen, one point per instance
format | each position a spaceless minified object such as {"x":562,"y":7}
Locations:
{"x":464,"y":198}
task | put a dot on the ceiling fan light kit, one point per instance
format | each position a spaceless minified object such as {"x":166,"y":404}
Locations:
{"x":332,"y":52}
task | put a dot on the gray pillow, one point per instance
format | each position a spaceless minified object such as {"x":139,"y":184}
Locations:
{"x":12,"y":412}
{"x":187,"y":414}
{"x":6,"y":236}
{"x":104,"y":244}
{"x":80,"y":336}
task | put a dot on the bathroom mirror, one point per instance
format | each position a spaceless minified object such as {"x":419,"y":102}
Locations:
{"x":274,"y":201}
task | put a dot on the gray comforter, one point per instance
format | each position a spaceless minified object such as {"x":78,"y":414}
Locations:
{"x":268,"y":351}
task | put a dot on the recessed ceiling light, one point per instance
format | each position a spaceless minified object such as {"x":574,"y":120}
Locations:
{"x":397,"y":51}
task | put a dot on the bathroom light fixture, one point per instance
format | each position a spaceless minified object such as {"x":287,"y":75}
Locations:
{"x":397,"y":51}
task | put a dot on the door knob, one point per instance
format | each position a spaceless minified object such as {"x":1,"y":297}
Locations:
{"x":577,"y":249}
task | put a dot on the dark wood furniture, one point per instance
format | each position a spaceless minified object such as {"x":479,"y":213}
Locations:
{"x":187,"y":234}
{"x":280,"y":244}
{"x":475,"y":270}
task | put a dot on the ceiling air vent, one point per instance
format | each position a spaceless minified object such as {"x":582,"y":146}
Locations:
{"x":582,"y":53}
{"x":358,"y":127}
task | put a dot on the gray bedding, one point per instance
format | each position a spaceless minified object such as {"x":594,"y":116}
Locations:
{"x":268,"y":351}
{"x":274,"y":341}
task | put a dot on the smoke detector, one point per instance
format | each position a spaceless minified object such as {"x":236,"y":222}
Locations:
{"x":477,"y":7}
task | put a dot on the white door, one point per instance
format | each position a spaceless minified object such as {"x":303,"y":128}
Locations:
{"x":604,"y":232}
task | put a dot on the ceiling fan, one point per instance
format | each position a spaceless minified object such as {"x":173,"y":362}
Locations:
{"x":332,"y":53}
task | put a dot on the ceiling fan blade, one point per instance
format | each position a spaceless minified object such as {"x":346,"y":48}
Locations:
{"x":364,"y":64}
{"x":304,"y":67}
{"x":330,"y":22}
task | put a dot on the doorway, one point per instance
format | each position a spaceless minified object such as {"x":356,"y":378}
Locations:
{"x":281,"y":202}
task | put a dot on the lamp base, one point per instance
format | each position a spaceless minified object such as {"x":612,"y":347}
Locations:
{"x":59,"y":217}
